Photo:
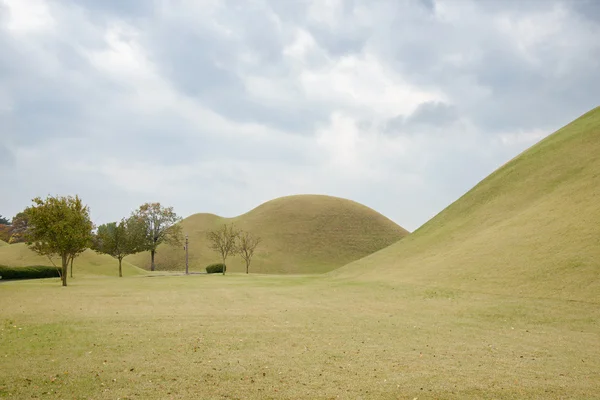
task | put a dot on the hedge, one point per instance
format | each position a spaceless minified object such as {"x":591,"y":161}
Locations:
{"x":30,"y":272}
{"x":215,"y":268}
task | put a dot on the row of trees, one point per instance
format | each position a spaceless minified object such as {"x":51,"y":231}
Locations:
{"x":61,"y":227}
{"x":228,"y":241}
{"x":146,"y":228}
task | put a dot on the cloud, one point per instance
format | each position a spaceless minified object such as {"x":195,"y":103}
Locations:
{"x":217,"y":106}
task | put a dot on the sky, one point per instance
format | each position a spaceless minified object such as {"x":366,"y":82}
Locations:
{"x":220,"y":105}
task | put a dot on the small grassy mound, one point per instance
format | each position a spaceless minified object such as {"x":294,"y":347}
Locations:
{"x":3,"y":243}
{"x":301,"y":234}
{"x":532,"y":228}
{"x":88,"y":263}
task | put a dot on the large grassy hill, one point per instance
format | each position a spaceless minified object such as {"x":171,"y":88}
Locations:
{"x":88,"y":263}
{"x":301,"y":234}
{"x":531,"y":228}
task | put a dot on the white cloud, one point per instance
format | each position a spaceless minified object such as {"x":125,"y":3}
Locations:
{"x":123,"y":57}
{"x":364,"y":84}
{"x":28,"y":16}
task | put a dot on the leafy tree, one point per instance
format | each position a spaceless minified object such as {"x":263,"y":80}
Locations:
{"x":59,"y":226}
{"x":245,"y":245}
{"x":5,"y":232}
{"x":120,"y":240}
{"x":4,"y":221}
{"x":160,"y":227}
{"x":223,"y":241}
{"x":20,"y":223}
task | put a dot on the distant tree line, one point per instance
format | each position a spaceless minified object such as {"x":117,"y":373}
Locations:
{"x":12,"y":231}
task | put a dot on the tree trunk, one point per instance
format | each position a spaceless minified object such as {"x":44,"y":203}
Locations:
{"x":120,"y":270}
{"x":72,"y":266}
{"x":247,"y":267}
{"x":224,"y":266}
{"x":65,"y":269}
{"x":152,"y":266}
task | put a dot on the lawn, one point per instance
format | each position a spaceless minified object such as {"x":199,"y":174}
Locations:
{"x":315,"y":337}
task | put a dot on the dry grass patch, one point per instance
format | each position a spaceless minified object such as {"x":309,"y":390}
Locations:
{"x":290,"y":337}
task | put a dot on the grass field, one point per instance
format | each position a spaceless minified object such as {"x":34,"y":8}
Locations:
{"x":290,"y":337}
{"x":3,"y":243}
{"x":301,"y":234}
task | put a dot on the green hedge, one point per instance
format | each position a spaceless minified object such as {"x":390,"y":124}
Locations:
{"x":31,"y":272}
{"x":215,"y":268}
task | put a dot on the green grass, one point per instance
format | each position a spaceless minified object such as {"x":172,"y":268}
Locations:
{"x":301,"y":234}
{"x":88,"y":263}
{"x":290,"y":337}
{"x":532,"y":228}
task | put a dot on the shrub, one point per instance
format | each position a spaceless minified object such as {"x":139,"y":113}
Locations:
{"x":215,"y":268}
{"x":31,"y":272}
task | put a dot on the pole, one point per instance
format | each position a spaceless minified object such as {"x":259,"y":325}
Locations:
{"x":186,"y":256}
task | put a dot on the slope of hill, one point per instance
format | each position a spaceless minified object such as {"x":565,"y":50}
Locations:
{"x":88,"y":263}
{"x":3,"y":243}
{"x":301,"y":234}
{"x":531,"y":228}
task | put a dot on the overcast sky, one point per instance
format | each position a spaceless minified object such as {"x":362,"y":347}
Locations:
{"x":220,"y":105}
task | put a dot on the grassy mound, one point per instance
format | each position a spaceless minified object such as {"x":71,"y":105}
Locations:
{"x":301,"y":234}
{"x":531,"y":228}
{"x":3,"y":243}
{"x":88,"y":263}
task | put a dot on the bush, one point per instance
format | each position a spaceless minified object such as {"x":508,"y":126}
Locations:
{"x":31,"y":272}
{"x":215,"y":268}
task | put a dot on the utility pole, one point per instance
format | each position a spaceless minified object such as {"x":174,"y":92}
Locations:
{"x":186,"y":255}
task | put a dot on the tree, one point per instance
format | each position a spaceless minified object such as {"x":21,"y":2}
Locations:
{"x":5,"y":232}
{"x":4,"y":221}
{"x":20,"y":223}
{"x":160,"y":227}
{"x":245,"y":245}
{"x":120,"y":240}
{"x":223,"y":241}
{"x":75,"y":255}
{"x":59,"y":226}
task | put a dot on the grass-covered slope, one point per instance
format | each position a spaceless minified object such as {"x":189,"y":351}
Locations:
{"x":88,"y":263}
{"x":301,"y":234}
{"x":532,"y":227}
{"x":3,"y":243}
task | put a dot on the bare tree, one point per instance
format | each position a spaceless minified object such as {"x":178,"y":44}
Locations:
{"x":223,"y":241}
{"x":161,"y":227}
{"x":245,"y":245}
